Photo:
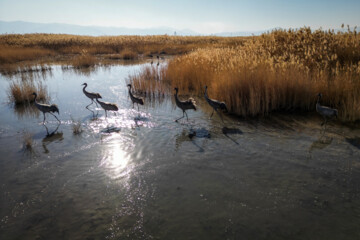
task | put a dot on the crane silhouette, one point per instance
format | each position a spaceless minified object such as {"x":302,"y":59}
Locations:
{"x":108,"y":106}
{"x":134,"y":99}
{"x":46,"y":108}
{"x":324,"y":111}
{"x":215,"y":104}
{"x":90,"y":95}
{"x":184,"y":105}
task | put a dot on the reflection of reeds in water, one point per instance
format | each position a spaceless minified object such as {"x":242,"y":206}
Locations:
{"x":20,"y":91}
{"x":27,"y":141}
{"x":26,"y":110}
{"x":82,"y":71}
{"x":26,"y":71}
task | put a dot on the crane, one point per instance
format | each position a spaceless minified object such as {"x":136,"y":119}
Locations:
{"x":108,"y":106}
{"x":184,"y":105}
{"x":324,"y":111}
{"x":215,"y":104}
{"x":46,"y":108}
{"x":135,"y":99}
{"x":90,"y":95}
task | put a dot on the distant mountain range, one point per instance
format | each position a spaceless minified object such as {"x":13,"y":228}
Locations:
{"x":21,"y":27}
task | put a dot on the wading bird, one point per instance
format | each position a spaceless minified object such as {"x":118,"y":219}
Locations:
{"x":90,"y":95}
{"x":107,"y":106}
{"x":46,"y":108}
{"x":324,"y":111}
{"x":215,"y":104}
{"x":184,"y":105}
{"x":135,"y":99}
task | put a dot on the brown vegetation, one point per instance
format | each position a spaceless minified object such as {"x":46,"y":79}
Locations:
{"x":20,"y":91}
{"x":20,"y":47}
{"x":278,"y":71}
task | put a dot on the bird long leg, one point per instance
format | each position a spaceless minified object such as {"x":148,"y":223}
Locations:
{"x":138,"y":106}
{"x":186,"y":116}
{"x":105,"y":114}
{"x":90,"y":104}
{"x":212,"y":113}
{"x":55,"y":117}
{"x":89,"y":108}
{"x":44,"y":118}
{"x":94,"y":102}
{"x":324,"y":122}
{"x":220,"y":116}
{"x":180,"y":117}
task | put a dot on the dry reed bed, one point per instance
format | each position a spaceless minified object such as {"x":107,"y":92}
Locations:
{"x":279,"y":71}
{"x":20,"y":47}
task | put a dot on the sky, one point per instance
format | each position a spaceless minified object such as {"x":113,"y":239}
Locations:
{"x":205,"y":17}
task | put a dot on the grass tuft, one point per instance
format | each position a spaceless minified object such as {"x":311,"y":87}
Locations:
{"x":76,"y":126}
{"x":20,"y":91}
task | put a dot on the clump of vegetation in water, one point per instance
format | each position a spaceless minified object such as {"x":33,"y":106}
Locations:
{"x":20,"y":91}
{"x":76,"y":126}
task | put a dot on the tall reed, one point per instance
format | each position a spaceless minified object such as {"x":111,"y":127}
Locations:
{"x":278,"y":71}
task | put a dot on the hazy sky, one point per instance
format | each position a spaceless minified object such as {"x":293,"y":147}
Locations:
{"x":202,"y":16}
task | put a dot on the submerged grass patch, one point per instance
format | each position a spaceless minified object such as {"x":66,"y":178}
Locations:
{"x":278,"y":71}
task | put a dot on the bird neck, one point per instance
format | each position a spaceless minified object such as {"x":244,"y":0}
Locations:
{"x":318,"y":100}
{"x":84,"y":88}
{"x":35,"y":96}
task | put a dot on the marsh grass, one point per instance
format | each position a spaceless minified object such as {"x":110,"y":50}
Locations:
{"x":20,"y":91}
{"x":278,"y":71}
{"x":150,"y":82}
{"x":84,"y":61}
{"x":20,"y":47}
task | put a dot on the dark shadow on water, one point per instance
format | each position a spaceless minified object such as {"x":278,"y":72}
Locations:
{"x":231,"y":131}
{"x":110,"y":129}
{"x":354,"y":141}
{"x":191,"y":135}
{"x":51,"y":137}
{"x":141,"y":119}
{"x":199,"y":133}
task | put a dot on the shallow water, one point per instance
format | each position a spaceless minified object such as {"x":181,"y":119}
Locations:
{"x":140,"y":175}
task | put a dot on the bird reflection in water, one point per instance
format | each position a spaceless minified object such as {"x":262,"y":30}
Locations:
{"x":322,"y":142}
{"x":51,"y":137}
